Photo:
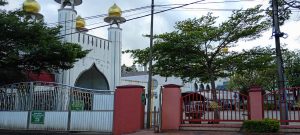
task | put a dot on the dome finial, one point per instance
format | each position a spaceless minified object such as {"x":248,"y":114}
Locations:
{"x":80,"y":24}
{"x":114,"y":15}
{"x":31,"y":6}
{"x":114,"y":11}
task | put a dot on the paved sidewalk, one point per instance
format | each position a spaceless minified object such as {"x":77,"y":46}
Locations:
{"x":148,"y":132}
{"x":186,"y":133}
{"x":43,"y":132}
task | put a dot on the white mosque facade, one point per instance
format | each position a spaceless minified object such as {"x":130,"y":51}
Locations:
{"x":100,"y":69}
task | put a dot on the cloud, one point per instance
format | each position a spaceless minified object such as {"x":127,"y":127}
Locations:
{"x":133,"y":31}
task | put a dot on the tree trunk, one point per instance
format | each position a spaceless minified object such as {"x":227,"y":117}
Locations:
{"x":215,"y":99}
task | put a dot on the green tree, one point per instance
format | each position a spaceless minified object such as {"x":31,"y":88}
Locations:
{"x":125,"y":69}
{"x":256,"y":66}
{"x":292,"y":3}
{"x":292,"y":67}
{"x":26,"y":45}
{"x":194,"y":49}
{"x":284,"y":11}
{"x":2,"y":2}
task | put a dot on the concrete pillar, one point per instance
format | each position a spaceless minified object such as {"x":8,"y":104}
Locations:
{"x":256,"y":103}
{"x":129,"y":109}
{"x":171,"y":107}
{"x":67,"y":21}
{"x":115,"y":38}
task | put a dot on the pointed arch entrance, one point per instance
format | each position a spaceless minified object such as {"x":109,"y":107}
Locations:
{"x":92,"y":78}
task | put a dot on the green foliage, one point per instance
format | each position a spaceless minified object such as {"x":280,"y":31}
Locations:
{"x":292,"y":67}
{"x":194,"y":49}
{"x":3,"y":2}
{"x":269,"y":106}
{"x":258,"y":66}
{"x":29,"y":45}
{"x":284,"y":11}
{"x":125,"y":69}
{"x":261,"y":126}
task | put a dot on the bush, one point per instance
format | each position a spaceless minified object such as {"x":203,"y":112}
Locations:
{"x":261,"y":126}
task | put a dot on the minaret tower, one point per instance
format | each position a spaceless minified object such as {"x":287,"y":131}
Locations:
{"x":115,"y":37}
{"x":67,"y":20}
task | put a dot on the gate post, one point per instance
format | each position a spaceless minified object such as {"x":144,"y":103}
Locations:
{"x":171,"y":107}
{"x":129,"y":109}
{"x":256,"y":103}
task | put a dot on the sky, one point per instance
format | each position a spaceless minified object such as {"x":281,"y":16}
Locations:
{"x":133,"y":31}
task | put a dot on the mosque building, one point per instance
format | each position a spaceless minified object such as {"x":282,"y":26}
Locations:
{"x":101,"y":68}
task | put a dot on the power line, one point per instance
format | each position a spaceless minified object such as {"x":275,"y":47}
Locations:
{"x":104,"y":22}
{"x":123,"y":16}
{"x":138,"y":17}
{"x":214,"y":2}
{"x":215,"y":9}
{"x":101,"y":15}
{"x":146,"y":7}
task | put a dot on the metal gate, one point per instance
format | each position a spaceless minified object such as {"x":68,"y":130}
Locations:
{"x":272,"y":102}
{"x":214,"y":106}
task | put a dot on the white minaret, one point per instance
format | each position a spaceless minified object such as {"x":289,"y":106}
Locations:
{"x":67,"y":19}
{"x":115,"y":37}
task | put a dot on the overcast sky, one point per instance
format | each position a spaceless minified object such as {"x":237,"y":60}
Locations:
{"x":164,"y":22}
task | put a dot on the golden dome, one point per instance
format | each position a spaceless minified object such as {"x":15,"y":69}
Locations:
{"x":80,"y":23}
{"x":31,"y":6}
{"x":114,"y":11}
{"x":224,"y":50}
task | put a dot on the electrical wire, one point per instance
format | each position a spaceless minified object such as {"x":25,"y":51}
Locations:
{"x":215,"y":9}
{"x":62,"y":36}
{"x":145,"y":7}
{"x":214,"y":2}
{"x":101,"y":15}
{"x":73,"y":28}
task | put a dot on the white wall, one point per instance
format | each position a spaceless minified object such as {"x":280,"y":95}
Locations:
{"x":143,"y":79}
{"x":105,"y":54}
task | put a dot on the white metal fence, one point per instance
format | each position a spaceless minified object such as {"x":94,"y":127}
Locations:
{"x":52,"y":106}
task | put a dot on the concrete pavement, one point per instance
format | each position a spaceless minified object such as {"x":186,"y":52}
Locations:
{"x":150,"y":132}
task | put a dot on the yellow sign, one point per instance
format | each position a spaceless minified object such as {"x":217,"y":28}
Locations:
{"x":214,"y":105}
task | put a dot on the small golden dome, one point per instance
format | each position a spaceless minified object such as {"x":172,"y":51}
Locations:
{"x":80,"y":23}
{"x":224,"y":50}
{"x":114,"y":11}
{"x":31,"y":6}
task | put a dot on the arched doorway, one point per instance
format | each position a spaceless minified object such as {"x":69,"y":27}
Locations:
{"x":92,"y":79}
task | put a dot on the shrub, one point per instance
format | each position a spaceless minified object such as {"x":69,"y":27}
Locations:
{"x":261,"y":126}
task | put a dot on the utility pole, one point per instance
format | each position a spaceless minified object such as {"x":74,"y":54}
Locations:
{"x":150,"y":69}
{"x":280,"y":69}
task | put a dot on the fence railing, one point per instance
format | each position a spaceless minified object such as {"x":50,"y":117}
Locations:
{"x":47,"y":96}
{"x":214,"y":106}
{"x":63,"y":107}
{"x":274,"y":100}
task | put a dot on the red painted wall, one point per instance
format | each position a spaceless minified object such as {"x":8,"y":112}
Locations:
{"x":43,"y":76}
{"x":171,"y":107}
{"x":128,"y":109}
